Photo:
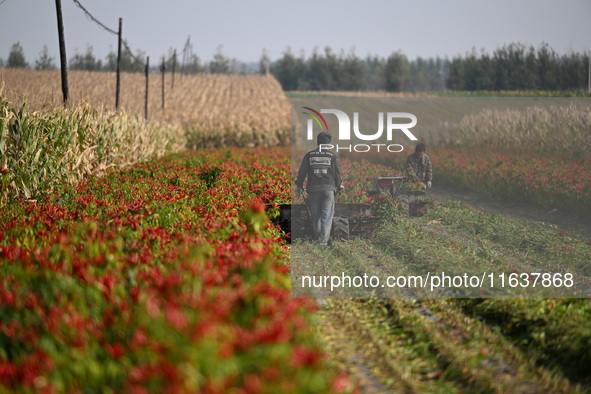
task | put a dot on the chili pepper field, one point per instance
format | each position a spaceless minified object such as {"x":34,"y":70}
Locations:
{"x":411,"y":344}
{"x":166,"y":276}
{"x":514,"y":151}
{"x":163,"y":272}
{"x":169,"y":275}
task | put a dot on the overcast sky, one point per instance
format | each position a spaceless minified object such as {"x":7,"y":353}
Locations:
{"x":425,"y":28}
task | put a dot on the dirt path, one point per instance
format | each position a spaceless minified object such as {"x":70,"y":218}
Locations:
{"x":520,"y":210}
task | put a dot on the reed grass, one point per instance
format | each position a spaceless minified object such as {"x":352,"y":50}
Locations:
{"x":555,"y":129}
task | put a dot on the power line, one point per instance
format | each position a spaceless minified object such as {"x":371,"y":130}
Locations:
{"x":92,"y":18}
{"x":2,"y":2}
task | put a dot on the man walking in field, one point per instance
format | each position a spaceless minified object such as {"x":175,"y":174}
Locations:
{"x":420,"y":164}
{"x":321,"y":167}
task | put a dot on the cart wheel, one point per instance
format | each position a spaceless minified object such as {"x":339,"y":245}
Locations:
{"x":340,"y":228}
{"x":393,"y":190}
{"x":300,"y":228}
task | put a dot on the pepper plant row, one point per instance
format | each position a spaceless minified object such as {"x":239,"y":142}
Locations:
{"x":551,"y":181}
{"x":165,"y":276}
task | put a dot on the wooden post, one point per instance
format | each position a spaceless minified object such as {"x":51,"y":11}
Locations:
{"x":163,"y":69}
{"x":118,"y":88}
{"x":186,"y":56}
{"x":173,"y":69}
{"x":147,"y":86}
{"x":63,"y":58}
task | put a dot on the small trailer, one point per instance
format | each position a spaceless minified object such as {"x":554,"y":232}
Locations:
{"x":350,"y":219}
{"x":415,"y":199}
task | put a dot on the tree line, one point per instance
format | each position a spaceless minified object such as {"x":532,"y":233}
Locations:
{"x":512,"y":67}
{"x":87,"y":61}
{"x":518,"y":67}
{"x":346,"y":71}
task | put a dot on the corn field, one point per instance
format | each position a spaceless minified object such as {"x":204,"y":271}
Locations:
{"x":214,"y":110}
{"x":40,"y":151}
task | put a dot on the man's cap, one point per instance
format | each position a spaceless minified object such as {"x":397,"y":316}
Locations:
{"x":323,"y":138}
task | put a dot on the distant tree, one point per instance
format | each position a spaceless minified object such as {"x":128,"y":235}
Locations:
{"x":289,"y":71}
{"x":323,"y":71}
{"x":172,"y":61}
{"x":238,"y":67}
{"x":419,"y":71}
{"x":353,"y":73}
{"x":1,"y":62}
{"x":397,"y":72}
{"x":437,"y":70}
{"x":220,"y":63}
{"x":531,"y":73}
{"x":455,"y":76}
{"x":548,"y":68}
{"x":585,"y":64}
{"x":265,"y":63}
{"x":129,"y":62}
{"x":486,"y":78}
{"x":16,"y":57}
{"x":194,"y":66}
{"x":375,"y":73}
{"x":316,"y":72}
{"x":86,"y":61}
{"x":518,"y":74}
{"x":472,"y":71}
{"x":572,"y":72}
{"x":45,"y":62}
{"x":501,"y":66}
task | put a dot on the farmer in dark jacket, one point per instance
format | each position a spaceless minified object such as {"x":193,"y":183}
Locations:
{"x":324,"y":179}
{"x":420,"y":164}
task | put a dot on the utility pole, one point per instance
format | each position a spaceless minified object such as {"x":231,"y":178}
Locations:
{"x":173,"y":68}
{"x":163,"y":69}
{"x":63,"y":58}
{"x":186,"y":55}
{"x":118,"y":89}
{"x":147,"y":86}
